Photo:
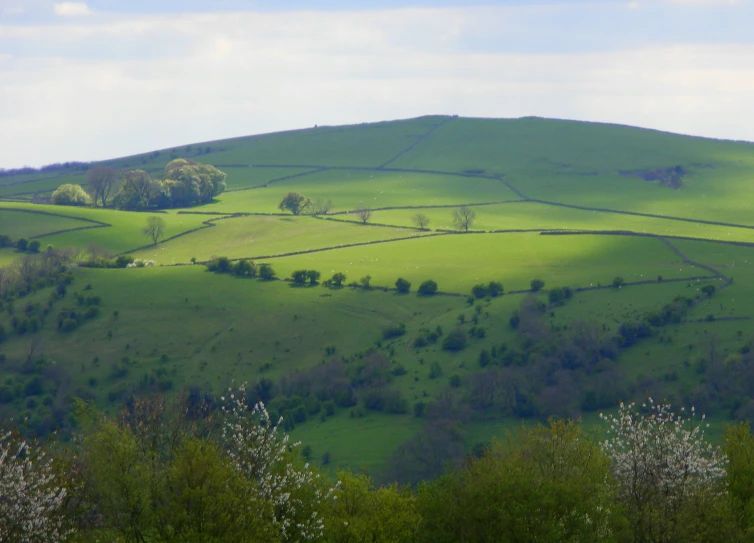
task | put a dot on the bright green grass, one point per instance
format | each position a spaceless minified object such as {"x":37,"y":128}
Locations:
{"x":360,"y":444}
{"x":7,"y":255}
{"x":530,"y":215}
{"x":352,"y":189}
{"x":356,"y":145}
{"x":719,"y":194}
{"x":256,"y":236}
{"x":216,"y":328}
{"x":18,"y":224}
{"x":124,"y":234}
{"x":243,"y":178}
{"x":457,"y":262}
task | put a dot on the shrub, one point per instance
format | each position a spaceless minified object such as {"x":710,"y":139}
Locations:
{"x":495,"y":288}
{"x":393,"y":331}
{"x":33,"y":246}
{"x":402,"y":285}
{"x":479,"y":291}
{"x":455,"y":340}
{"x":427,"y":288}
{"x":266,"y":272}
{"x":365,"y":282}
{"x":338,"y":279}
{"x":617,"y":282}
{"x":299,"y":277}
{"x":537,"y":285}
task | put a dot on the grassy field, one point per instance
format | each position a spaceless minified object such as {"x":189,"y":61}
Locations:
{"x":181,"y":325}
{"x":458,"y":261}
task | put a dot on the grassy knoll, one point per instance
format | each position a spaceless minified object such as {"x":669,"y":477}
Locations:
{"x":352,"y":189}
{"x":256,"y":236}
{"x":458,"y":261}
{"x":244,"y":177}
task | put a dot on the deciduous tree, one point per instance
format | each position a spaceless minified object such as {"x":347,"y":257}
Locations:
{"x":155,"y":228}
{"x":100,"y":182}
{"x":420,"y":220}
{"x":295,"y":203}
{"x":463,"y":218}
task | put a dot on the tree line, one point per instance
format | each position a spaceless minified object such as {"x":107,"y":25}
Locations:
{"x":185,"y":183}
{"x":198,"y":468}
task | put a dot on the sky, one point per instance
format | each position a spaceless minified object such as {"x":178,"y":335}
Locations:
{"x":108,"y":78}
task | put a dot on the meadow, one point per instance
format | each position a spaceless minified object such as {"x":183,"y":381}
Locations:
{"x":176,"y":324}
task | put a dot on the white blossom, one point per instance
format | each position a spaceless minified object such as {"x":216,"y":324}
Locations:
{"x":257,"y":450}
{"x":30,"y":501}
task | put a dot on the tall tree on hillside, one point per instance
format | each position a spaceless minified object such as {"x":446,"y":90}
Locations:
{"x":295,"y":203}
{"x":155,"y":228}
{"x":100,"y":182}
{"x":463,"y":218}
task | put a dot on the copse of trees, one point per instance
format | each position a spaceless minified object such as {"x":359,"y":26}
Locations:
{"x":186,"y":183}
{"x":70,"y":195}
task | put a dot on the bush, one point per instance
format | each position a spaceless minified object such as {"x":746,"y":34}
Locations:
{"x":33,"y":246}
{"x":455,"y":340}
{"x":427,"y":288}
{"x":365,"y":282}
{"x":266,"y":272}
{"x":402,"y":285}
{"x":495,"y":289}
{"x":479,"y":291}
{"x":393,"y":331}
{"x":299,"y":277}
{"x":537,"y":285}
{"x":22,"y":244}
{"x":338,"y":279}
{"x":70,"y":195}
{"x":617,"y":282}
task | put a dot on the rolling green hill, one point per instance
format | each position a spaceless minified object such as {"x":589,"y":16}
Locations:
{"x":576,"y":205}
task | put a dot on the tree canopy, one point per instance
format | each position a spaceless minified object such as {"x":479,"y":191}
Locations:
{"x":70,"y":195}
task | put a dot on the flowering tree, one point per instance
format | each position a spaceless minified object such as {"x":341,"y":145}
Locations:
{"x":661,"y":463}
{"x":31,"y":502}
{"x":258,"y":452}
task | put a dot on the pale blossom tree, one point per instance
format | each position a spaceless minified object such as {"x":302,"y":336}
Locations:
{"x":31,"y":500}
{"x":258,"y":451}
{"x":662,"y":465}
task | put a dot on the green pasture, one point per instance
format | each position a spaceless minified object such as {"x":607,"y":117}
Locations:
{"x":256,"y":236}
{"x":241,"y":178}
{"x":43,"y":186}
{"x":215,"y":328}
{"x":353,"y":189}
{"x":534,"y":216}
{"x":713,"y":194}
{"x":529,"y":145}
{"x":458,"y":261}
{"x":123,"y":234}
{"x":19,"y":223}
{"x":367,"y":144}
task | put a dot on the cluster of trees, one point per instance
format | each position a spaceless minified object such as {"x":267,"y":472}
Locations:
{"x":241,"y":268}
{"x":22,"y":244}
{"x":185,"y":183}
{"x":197,"y":470}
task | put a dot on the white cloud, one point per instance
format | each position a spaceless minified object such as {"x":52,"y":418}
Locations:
{"x":72,"y":9}
{"x":239,"y":74}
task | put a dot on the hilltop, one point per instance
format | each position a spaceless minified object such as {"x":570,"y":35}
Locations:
{"x":628,"y":229}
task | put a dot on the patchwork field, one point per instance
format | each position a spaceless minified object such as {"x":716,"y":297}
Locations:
{"x":622,"y":198}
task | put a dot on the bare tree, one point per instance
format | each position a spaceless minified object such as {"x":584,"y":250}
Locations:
{"x":321,"y":207}
{"x":155,"y":228}
{"x":420,"y":220}
{"x":100,"y":182}
{"x":364,"y":214}
{"x":97,"y":251}
{"x":463,"y":218}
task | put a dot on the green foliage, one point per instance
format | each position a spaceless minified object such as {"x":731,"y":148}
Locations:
{"x":548,"y":483}
{"x":188,"y":183}
{"x":617,"y":282}
{"x":427,"y":288}
{"x":295,"y":203}
{"x":455,"y":340}
{"x":70,"y":195}
{"x":338,"y":279}
{"x":155,"y":228}
{"x":537,"y":285}
{"x":393,"y":330}
{"x":402,"y":285}
{"x":266,"y":272}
